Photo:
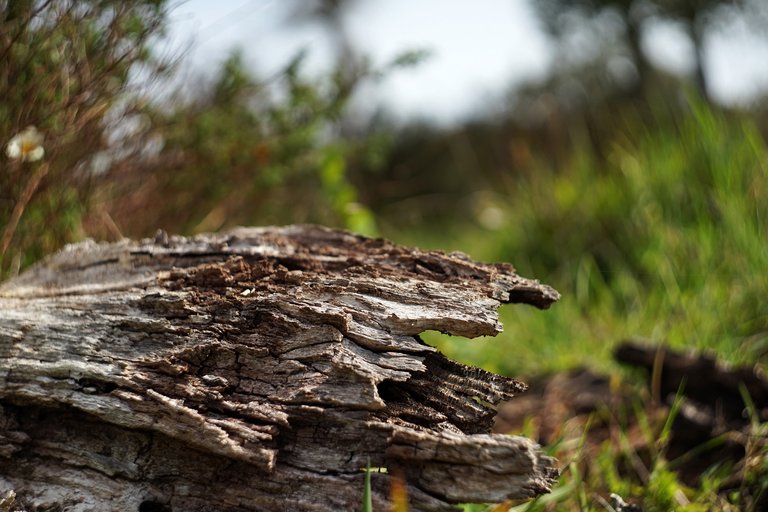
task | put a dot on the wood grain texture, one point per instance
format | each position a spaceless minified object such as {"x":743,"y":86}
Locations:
{"x":258,"y":369}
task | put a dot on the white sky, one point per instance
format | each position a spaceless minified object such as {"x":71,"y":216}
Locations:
{"x":479,"y":49}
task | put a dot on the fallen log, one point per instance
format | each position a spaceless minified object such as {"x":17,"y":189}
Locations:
{"x":702,"y":377}
{"x":712,"y":414}
{"x":258,"y":369}
{"x":718,"y":408}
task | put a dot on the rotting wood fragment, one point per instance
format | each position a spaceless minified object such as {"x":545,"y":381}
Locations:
{"x":258,"y":369}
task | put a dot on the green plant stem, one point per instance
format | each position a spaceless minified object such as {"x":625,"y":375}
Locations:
{"x":21,"y":205}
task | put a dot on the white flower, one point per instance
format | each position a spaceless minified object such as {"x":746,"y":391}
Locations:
{"x":27,"y":145}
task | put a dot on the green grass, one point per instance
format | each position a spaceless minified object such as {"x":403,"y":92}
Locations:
{"x":665,"y":239}
{"x":367,"y":505}
{"x":647,"y":479}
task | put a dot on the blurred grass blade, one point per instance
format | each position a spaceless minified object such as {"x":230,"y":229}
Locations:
{"x":398,"y":493}
{"x":367,"y":501}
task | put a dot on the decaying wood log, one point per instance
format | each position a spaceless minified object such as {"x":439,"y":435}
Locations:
{"x":258,"y":369}
{"x":707,"y":408}
{"x":717,"y":405}
{"x":702,"y":377}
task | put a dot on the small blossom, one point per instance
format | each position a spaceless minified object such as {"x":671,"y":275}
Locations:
{"x":26,"y":146}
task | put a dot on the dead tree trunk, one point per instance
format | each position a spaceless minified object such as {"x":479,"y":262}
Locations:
{"x":259,"y":369}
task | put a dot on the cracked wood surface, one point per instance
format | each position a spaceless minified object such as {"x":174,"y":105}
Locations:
{"x":257,"y":369}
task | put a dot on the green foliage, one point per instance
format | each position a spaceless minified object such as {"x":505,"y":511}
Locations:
{"x":645,"y":479}
{"x":247,"y":152}
{"x":410,"y":58}
{"x":665,"y":238}
{"x":65,"y":67}
{"x":233,"y":151}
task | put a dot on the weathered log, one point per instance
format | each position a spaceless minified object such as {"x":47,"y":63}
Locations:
{"x":705,"y":379}
{"x":258,"y":369}
{"x":708,"y":407}
{"x":717,"y":404}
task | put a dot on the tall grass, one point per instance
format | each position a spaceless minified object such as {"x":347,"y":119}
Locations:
{"x":662,"y":238}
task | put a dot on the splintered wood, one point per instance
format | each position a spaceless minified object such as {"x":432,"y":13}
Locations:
{"x":258,"y":369}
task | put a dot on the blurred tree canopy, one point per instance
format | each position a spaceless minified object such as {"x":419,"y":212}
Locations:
{"x":611,"y":33}
{"x":349,"y":64}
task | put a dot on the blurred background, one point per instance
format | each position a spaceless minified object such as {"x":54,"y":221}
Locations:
{"x":613,"y":149}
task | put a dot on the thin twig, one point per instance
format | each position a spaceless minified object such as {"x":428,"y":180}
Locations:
{"x":21,"y":205}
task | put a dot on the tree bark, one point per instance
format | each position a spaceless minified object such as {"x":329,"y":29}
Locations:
{"x":259,"y":369}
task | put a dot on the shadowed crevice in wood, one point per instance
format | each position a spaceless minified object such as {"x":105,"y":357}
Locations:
{"x":447,"y":396}
{"x":264,"y":367}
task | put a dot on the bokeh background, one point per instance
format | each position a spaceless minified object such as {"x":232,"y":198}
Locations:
{"x":614,"y":149}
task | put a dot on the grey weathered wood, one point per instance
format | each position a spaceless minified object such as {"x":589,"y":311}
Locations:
{"x":258,"y":369}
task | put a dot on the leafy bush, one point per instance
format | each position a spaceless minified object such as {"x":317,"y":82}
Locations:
{"x":238,"y":151}
{"x":66,"y":69}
